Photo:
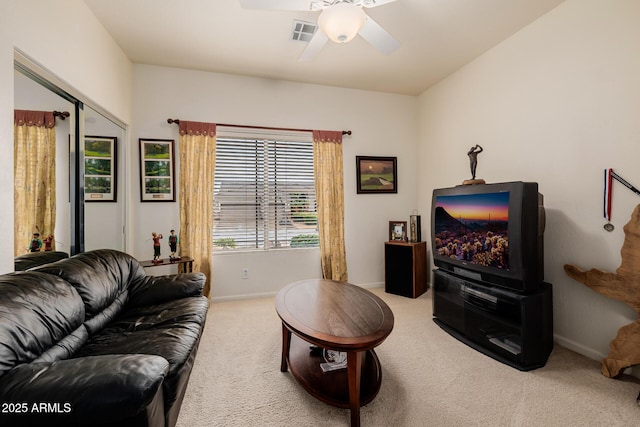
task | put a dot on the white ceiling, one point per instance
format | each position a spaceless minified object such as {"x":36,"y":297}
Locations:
{"x":437,"y":36}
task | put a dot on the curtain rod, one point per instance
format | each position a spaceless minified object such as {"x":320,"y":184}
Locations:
{"x":62,"y":114}
{"x":177,"y":121}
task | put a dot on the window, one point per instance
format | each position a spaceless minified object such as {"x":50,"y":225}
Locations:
{"x":264,"y":195}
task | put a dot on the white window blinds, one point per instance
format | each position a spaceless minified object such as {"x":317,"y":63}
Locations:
{"x":264,"y":196}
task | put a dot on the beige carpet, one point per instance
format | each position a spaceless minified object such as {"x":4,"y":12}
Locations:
{"x":429,"y":379}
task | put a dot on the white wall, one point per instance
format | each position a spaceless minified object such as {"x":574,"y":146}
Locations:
{"x":64,"y":38}
{"x":557,"y":103}
{"x":382,"y":125}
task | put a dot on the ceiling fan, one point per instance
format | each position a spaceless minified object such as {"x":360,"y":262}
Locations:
{"x":339,"y":21}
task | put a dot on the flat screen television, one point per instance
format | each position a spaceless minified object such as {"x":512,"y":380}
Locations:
{"x":490,"y":232}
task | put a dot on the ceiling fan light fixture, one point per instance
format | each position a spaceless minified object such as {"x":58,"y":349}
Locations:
{"x":341,"y":22}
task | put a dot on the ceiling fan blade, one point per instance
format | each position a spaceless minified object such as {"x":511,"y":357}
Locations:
{"x":315,"y":45}
{"x":378,"y":37}
{"x":276,"y":4}
{"x":375,"y":3}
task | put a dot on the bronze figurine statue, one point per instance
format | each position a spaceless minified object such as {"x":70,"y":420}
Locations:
{"x":473,"y":158}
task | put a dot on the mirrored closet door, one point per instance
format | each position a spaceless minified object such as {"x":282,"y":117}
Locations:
{"x":90,"y":190}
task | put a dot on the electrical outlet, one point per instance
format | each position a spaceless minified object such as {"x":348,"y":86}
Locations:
{"x":245,"y":273}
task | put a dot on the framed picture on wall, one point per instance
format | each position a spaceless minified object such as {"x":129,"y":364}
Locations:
{"x":100,"y":169}
{"x":376,"y":174}
{"x":157,"y":170}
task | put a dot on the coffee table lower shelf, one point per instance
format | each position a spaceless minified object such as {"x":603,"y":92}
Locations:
{"x":332,"y":387}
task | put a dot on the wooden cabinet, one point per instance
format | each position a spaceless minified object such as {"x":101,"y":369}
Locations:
{"x":405,"y":268}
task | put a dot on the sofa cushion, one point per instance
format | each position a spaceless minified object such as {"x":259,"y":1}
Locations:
{"x":112,"y":390}
{"x":65,"y":348}
{"x":171,"y":330}
{"x":158,"y":289}
{"x":102,"y":278}
{"x":37,"y":311}
{"x":35,"y":259}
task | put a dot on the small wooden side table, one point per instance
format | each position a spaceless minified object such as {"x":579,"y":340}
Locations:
{"x":185,"y":263}
{"x":405,"y":266}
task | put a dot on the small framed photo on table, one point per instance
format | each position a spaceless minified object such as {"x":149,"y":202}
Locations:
{"x":157,"y":174}
{"x":398,"y":231}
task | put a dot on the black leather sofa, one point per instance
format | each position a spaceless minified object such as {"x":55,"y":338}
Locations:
{"x":91,"y":340}
{"x":34,"y":259}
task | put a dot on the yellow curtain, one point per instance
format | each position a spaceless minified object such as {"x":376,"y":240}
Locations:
{"x":197,"y":165}
{"x":328,"y":169}
{"x":34,"y":187}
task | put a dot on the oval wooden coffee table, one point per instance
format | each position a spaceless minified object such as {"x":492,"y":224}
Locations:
{"x":335,"y":316}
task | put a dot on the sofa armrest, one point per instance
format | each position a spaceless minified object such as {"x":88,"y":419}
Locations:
{"x":96,"y":390}
{"x":158,"y":289}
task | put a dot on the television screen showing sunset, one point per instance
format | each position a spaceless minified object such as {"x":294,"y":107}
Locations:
{"x":473,"y":228}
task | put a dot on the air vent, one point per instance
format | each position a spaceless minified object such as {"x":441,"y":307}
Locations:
{"x":303,"y":31}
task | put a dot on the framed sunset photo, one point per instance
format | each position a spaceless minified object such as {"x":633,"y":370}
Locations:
{"x":376,"y":174}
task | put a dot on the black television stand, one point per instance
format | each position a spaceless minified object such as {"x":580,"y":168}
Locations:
{"x":512,"y":328}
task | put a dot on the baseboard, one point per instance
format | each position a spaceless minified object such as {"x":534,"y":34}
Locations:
{"x":245,"y":296}
{"x":579,"y":348}
{"x":634,"y":371}
{"x":372,"y":285}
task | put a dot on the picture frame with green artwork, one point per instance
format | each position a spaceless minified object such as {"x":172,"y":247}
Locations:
{"x":100,"y":168}
{"x":376,"y":174}
{"x":157,"y":170}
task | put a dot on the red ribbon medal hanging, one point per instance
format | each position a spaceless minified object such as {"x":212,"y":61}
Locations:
{"x":608,"y":180}
{"x":609,"y":176}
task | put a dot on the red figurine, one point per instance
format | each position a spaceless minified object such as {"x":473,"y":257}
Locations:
{"x":156,"y":247}
{"x":48,"y":243}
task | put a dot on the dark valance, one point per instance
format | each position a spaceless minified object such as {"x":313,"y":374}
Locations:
{"x":197,"y":128}
{"x":34,"y":118}
{"x":327,"y":136}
